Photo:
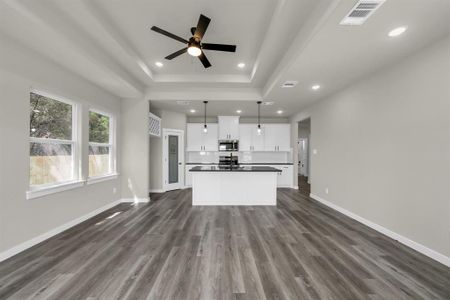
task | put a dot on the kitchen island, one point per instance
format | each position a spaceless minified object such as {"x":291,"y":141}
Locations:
{"x":238,"y":185}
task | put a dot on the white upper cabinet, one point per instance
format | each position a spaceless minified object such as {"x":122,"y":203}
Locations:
{"x":210,"y":139}
{"x":197,"y":140}
{"x":277,"y":137}
{"x":245,"y":137}
{"x":249,"y":139}
{"x":228,"y":127}
{"x":274,"y":137}
{"x":258,"y":139}
{"x":194,"y":137}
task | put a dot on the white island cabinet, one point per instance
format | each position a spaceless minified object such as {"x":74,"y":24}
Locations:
{"x":234,"y":186}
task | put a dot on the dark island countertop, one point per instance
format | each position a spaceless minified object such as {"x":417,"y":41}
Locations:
{"x":234,"y":169}
{"x":244,"y":164}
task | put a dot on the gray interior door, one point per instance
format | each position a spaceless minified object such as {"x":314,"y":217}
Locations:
{"x":173,"y":159}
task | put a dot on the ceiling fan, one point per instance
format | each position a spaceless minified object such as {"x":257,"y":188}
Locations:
{"x":195,"y":46}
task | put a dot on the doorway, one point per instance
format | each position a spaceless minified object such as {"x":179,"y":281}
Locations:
{"x":303,"y":142}
{"x":173,"y":159}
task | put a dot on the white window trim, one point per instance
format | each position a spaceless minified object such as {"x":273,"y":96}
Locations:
{"x":42,"y":190}
{"x":102,"y":178}
{"x":112,"y":149}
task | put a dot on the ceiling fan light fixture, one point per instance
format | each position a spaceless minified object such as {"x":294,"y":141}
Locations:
{"x":195,"y":46}
{"x":194,"y":50}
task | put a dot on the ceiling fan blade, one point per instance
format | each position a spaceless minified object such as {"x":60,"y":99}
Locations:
{"x":166,"y":33}
{"x":204,"y":60}
{"x":219,"y":47}
{"x":202,"y":25}
{"x":175,"y":54}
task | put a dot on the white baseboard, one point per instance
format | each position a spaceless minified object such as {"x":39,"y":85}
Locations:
{"x":157,"y":191}
{"x":135,"y":200}
{"x":34,"y":241}
{"x":404,"y":240}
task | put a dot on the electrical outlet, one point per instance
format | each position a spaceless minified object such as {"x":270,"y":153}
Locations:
{"x":326,"y":191}
{"x":114,"y":190}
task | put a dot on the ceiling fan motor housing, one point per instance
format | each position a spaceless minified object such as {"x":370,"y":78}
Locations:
{"x":194,"y":42}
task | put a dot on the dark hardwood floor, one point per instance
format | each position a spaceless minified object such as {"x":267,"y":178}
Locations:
{"x":170,"y":250}
{"x":303,"y":186}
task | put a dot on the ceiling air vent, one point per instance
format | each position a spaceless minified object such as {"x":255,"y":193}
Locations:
{"x":361,"y":12}
{"x":289,"y":84}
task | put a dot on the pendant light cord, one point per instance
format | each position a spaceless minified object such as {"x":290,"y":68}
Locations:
{"x":205,"y":102}
{"x":259,"y":113}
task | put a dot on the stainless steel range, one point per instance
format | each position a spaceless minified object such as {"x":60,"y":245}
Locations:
{"x":228,"y":161}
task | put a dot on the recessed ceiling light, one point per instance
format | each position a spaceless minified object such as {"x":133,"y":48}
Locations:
{"x":239,"y":111}
{"x":241,"y":65}
{"x":289,"y":84}
{"x":279,"y":112}
{"x":192,"y":110}
{"x":159,"y":64}
{"x":315,"y":87}
{"x":397,"y":31}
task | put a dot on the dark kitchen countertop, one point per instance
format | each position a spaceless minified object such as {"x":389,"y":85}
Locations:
{"x":245,"y":164}
{"x":274,"y":164}
{"x":234,"y":169}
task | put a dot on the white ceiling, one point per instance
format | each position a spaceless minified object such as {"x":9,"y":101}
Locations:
{"x":110,"y":44}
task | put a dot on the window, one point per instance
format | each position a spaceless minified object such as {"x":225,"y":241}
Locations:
{"x":52,"y":141}
{"x":101,"y":162}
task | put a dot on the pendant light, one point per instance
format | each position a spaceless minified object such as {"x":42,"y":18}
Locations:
{"x":205,"y":127}
{"x":259,"y":117}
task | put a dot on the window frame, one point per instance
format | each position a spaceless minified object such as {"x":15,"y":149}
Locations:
{"x":44,"y":189}
{"x":111,"y":145}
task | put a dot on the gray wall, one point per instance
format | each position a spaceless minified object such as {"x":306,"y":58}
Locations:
{"x":22,"y":219}
{"x":135,"y":149}
{"x":169,"y":120}
{"x":384,"y":148}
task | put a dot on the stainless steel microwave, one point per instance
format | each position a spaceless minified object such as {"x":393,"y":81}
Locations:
{"x":229,"y":145}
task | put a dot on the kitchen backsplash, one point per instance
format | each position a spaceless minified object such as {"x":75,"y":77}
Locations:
{"x":244,"y":157}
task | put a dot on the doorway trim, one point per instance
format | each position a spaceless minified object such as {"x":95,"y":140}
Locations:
{"x":165,"y":133}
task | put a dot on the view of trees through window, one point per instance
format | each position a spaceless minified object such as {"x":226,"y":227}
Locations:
{"x":98,"y":128}
{"x":99,"y":144}
{"x":51,"y":142}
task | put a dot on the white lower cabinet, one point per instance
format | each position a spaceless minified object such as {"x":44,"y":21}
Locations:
{"x":285,"y":177}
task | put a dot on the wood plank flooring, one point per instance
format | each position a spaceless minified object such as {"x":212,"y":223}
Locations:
{"x":170,"y":250}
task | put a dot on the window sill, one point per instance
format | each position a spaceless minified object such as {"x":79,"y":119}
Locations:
{"x":93,"y":180}
{"x":41,"y":192}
